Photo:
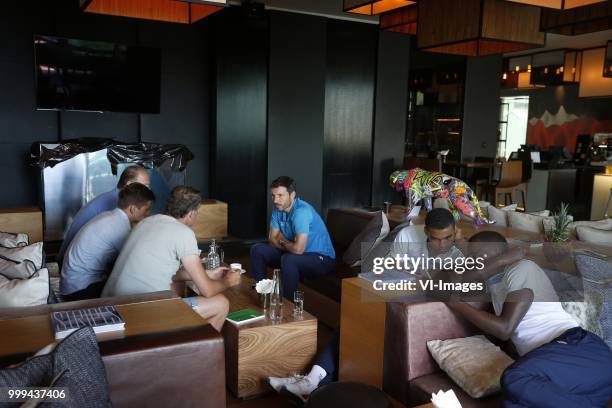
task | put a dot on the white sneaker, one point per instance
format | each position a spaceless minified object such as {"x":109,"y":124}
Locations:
{"x":299,"y":390}
{"x":279,"y":382}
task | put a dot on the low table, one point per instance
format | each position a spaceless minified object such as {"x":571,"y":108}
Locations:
{"x":22,"y":337}
{"x":264,"y":348}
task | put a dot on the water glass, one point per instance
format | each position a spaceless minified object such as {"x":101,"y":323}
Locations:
{"x":298,"y":303}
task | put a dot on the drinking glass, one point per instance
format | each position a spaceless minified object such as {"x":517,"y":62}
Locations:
{"x":298,"y":303}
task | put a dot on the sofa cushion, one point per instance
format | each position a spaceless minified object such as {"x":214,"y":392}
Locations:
{"x":500,"y":215}
{"x":75,"y":364}
{"x":344,"y":225}
{"x":10,"y":240}
{"x":384,"y":248}
{"x":527,"y":222}
{"x":367,"y":239}
{"x":33,"y":253}
{"x":605,"y":224}
{"x":16,"y":269}
{"x":597,"y":282}
{"x":594,"y":235}
{"x":474,"y":363}
{"x":25,"y":292}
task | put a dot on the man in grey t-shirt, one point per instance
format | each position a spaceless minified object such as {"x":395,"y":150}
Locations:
{"x":91,"y":253}
{"x":155,"y":250}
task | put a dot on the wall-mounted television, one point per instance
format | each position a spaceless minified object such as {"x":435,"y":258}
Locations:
{"x":85,"y":75}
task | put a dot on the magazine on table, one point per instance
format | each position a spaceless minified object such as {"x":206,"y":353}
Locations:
{"x":102,"y":319}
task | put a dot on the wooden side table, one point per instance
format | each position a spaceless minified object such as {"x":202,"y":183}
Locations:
{"x":264,"y":348}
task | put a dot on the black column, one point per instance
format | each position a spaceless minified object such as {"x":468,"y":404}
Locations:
{"x":239,"y":164}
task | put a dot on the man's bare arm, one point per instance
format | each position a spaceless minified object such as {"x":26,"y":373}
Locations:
{"x":295,"y":247}
{"x":193,"y":270}
{"x":274,"y":238}
{"x":516,"y":305}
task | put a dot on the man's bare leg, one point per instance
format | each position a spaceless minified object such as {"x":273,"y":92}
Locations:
{"x":213,"y":309}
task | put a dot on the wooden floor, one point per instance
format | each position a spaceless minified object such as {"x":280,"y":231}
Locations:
{"x":274,"y":400}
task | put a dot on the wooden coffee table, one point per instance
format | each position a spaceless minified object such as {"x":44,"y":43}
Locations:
{"x":264,"y":348}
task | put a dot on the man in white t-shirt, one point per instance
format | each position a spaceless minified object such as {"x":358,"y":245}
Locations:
{"x":152,"y":256}
{"x":561,"y":365}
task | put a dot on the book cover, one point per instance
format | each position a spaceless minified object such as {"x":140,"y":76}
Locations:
{"x":244,"y":316}
{"x":102,"y":319}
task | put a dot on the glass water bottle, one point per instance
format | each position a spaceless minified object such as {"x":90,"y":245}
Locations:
{"x":213,"y":260}
{"x":276,"y":297}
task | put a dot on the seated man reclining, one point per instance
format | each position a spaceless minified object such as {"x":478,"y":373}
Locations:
{"x":561,"y":365}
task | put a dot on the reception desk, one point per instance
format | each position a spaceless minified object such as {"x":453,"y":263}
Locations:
{"x":602,"y":189}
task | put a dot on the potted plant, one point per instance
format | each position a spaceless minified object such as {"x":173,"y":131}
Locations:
{"x":556,"y":245}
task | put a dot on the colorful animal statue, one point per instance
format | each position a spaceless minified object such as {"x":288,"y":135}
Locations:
{"x":419,"y":184}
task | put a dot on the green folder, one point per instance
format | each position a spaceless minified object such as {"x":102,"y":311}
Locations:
{"x":244,"y":316}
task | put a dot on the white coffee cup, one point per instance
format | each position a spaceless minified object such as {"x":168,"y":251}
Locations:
{"x":236,"y":267}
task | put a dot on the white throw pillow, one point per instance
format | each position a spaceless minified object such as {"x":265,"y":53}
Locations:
{"x":32,"y":253}
{"x":500,"y":215}
{"x":16,"y":269}
{"x":529,"y":222}
{"x":374,"y":232}
{"x":605,"y":224}
{"x":594,"y":235}
{"x":443,"y":203}
{"x":25,"y":292}
{"x":474,"y":363}
{"x":10,"y":240}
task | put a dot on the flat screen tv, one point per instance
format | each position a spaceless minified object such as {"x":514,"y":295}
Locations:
{"x":96,"y":76}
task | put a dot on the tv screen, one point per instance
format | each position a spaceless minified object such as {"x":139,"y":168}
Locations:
{"x":96,"y":76}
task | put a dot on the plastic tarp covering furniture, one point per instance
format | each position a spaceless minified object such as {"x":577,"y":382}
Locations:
{"x":73,"y":172}
{"x":149,"y":155}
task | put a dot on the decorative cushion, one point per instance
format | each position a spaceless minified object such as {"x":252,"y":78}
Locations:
{"x":25,"y":292}
{"x":587,"y":312}
{"x":15,"y":269}
{"x":383,"y":249}
{"x":10,"y":240}
{"x":594,"y":235}
{"x":75,"y":364}
{"x":474,"y":363}
{"x":529,"y":222}
{"x":368,"y":238}
{"x":500,"y":215}
{"x":597,"y":283}
{"x":32,"y":252}
{"x":605,"y":224}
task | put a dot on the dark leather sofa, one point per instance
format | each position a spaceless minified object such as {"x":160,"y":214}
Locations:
{"x":322,"y":294}
{"x":168,"y":369}
{"x":411,"y":375}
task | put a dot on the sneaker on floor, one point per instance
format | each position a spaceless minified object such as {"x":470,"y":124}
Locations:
{"x":299,"y":390}
{"x":279,"y":382}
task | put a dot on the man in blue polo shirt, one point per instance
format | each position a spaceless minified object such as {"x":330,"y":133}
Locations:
{"x":104,"y":202}
{"x":298,"y":241}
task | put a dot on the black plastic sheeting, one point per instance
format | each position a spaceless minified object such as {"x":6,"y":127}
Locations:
{"x":149,"y":155}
